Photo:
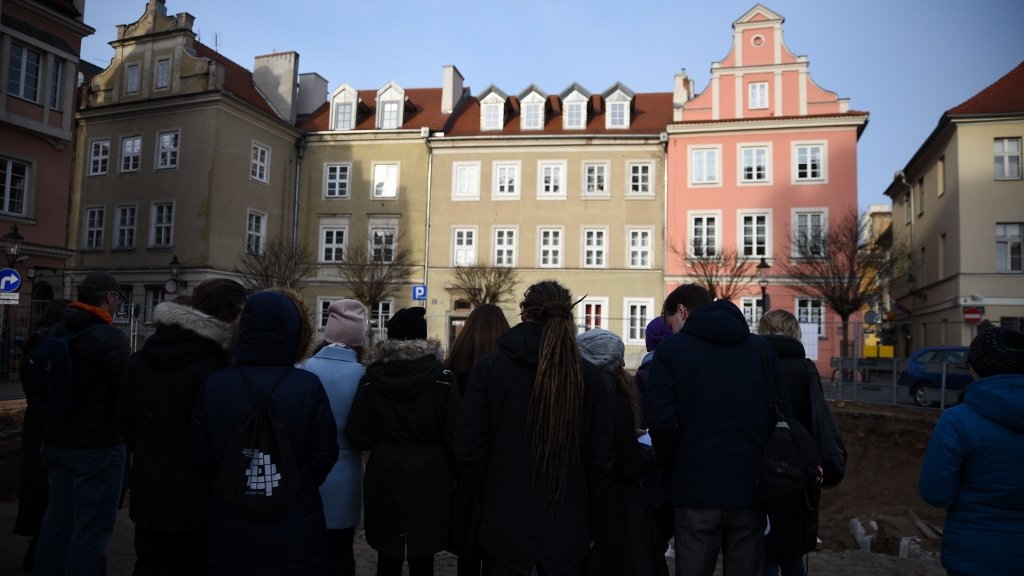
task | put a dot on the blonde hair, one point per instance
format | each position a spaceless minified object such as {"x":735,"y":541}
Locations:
{"x":779,"y":322}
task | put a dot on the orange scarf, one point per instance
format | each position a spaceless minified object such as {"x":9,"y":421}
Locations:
{"x":103,"y":314}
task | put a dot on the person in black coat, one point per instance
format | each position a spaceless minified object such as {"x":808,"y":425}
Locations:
{"x":534,"y":441}
{"x":404,"y":413}
{"x":274,"y":333}
{"x":169,"y":502}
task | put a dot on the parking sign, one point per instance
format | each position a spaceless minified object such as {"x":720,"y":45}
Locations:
{"x":419,"y":292}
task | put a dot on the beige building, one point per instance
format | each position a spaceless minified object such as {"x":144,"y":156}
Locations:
{"x":959,"y":206}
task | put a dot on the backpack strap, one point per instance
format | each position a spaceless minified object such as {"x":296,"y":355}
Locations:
{"x":773,"y":395}
{"x":248,"y":387}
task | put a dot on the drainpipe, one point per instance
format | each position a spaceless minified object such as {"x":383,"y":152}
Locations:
{"x":426,"y":237}
{"x":902,"y":177}
{"x":664,"y":140}
{"x":300,"y":149}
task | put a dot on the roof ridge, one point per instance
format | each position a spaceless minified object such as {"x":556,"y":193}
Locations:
{"x":1005,"y":95}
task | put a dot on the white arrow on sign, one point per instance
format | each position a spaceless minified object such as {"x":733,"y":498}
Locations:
{"x":10,"y":280}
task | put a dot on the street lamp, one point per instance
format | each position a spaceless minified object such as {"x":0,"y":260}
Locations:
{"x":762,"y":281}
{"x":172,"y":285}
{"x":12,"y":246}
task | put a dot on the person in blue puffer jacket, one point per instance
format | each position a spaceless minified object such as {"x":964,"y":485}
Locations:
{"x":974,"y":465}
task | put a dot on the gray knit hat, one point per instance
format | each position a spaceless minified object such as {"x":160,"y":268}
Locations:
{"x":602,"y":348}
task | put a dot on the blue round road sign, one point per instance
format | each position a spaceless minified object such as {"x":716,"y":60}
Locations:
{"x":10,"y":280}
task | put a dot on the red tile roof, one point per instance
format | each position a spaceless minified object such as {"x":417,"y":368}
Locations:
{"x":1004,"y":96}
{"x":237,"y":79}
{"x":422,"y":109}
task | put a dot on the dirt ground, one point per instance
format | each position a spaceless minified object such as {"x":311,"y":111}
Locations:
{"x":885,"y":443}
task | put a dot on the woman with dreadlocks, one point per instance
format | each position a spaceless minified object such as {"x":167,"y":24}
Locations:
{"x":534,"y":441}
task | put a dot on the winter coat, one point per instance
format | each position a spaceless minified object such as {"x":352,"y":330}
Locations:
{"x":791,"y":354}
{"x":339,"y":371}
{"x":707,"y":405}
{"x":974,"y":466}
{"x":627,"y":540}
{"x":518,"y":528}
{"x":267,"y":348}
{"x":158,"y":396}
{"x":404,"y":413}
{"x":99,"y":357}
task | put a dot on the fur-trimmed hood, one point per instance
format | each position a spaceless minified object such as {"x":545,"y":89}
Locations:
{"x":403,"y":369}
{"x":387,"y":351}
{"x":195,"y":321}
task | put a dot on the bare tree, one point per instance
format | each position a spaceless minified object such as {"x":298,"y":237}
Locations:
{"x":375,"y":275}
{"x":721,"y":271}
{"x":282,"y":264}
{"x":485,"y":284}
{"x":841,"y":265}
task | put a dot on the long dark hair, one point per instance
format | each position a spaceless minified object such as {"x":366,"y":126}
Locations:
{"x":478,"y":337}
{"x":556,"y":404}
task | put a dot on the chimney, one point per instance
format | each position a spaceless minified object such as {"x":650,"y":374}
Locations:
{"x":276,"y":75}
{"x":682,"y":92}
{"x":312,"y":92}
{"x":451,"y":91}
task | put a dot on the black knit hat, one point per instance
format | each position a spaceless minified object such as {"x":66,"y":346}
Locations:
{"x":997,"y":351}
{"x":408,"y":324}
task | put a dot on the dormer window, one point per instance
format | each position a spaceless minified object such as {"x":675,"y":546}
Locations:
{"x":532,"y":105}
{"x":343,"y":116}
{"x":492,"y":116}
{"x":345,"y":101}
{"x":617,"y":104}
{"x":492,"y":109}
{"x":389,"y":115}
{"x":390,"y":107}
{"x":574,"y":108}
{"x":574,"y":114}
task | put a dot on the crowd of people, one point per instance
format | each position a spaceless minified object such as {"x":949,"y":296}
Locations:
{"x":525,"y":450}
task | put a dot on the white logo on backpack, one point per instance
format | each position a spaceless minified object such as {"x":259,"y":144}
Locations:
{"x":261,"y":475}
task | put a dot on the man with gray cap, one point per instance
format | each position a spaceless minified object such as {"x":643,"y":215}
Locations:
{"x":82,"y":449}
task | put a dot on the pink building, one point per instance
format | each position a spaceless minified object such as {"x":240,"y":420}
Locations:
{"x":761,"y":155}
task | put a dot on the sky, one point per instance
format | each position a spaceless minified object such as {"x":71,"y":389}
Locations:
{"x":903,"y":61}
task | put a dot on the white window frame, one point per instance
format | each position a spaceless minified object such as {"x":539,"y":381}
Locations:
{"x":337,"y":180}
{"x":330,"y":250}
{"x":385,"y":229}
{"x":255,"y":232}
{"x":162,"y":74}
{"x":757,"y":151}
{"x":132,"y":78}
{"x":161,"y":224}
{"x":692,"y":226}
{"x":464,"y":245}
{"x":99,"y":156}
{"x":131,"y":154}
{"x":56,"y":77}
{"x":595,"y":180}
{"x":387,"y":184}
{"x":259,"y":163}
{"x":94,"y":223}
{"x":1006,"y":244}
{"x":27,"y":76}
{"x":377,"y":318}
{"x":574,"y":111}
{"x":12,"y":171}
{"x":752,"y":309}
{"x":639,"y":178}
{"x":555,"y":189}
{"x":491,"y":116}
{"x":592,"y":313}
{"x":639,"y":248}
{"x":801,"y":151}
{"x":155,"y":296}
{"x":500,"y":188}
{"x":344,"y":117}
{"x":550,"y":246}
{"x":465,"y":181}
{"x":594,"y":247}
{"x":390,"y":114}
{"x":532,"y":112}
{"x":1005,"y":151}
{"x":125,"y":226}
{"x":757,"y":95}
{"x":167,"y":149}
{"x":323,"y":306}
{"x":506,"y":246}
{"x":741,"y":234}
{"x":810,"y":311}
{"x":706,"y":162}
{"x":795,"y":225}
{"x":617,"y":113}
{"x":636,"y":313}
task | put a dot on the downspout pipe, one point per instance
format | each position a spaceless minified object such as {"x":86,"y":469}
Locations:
{"x":300,"y":150}
{"x":426,"y":239}
{"x":902,"y":177}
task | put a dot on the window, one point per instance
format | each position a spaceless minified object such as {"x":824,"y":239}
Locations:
{"x":380,"y":315}
{"x":1007,"y":158}
{"x":550,"y":184}
{"x":942,"y":255}
{"x":506,"y":180}
{"x":464,"y":247}
{"x":131,"y":151}
{"x":155,"y":295}
{"x":93,"y":229}
{"x":809,"y":160}
{"x":922,"y":276}
{"x":55,"y":84}
{"x":592,"y":313}
{"x":163,"y":74}
{"x":255,"y":232}
{"x":466,"y":181}
{"x":919,"y":190}
{"x":505,"y":247}
{"x":704,"y":235}
{"x":332,"y":243}
{"x":23,"y":73}
{"x":755,"y":235}
{"x":131,"y":79}
{"x":389,"y":118}
{"x":13,"y":186}
{"x":618,"y":115}
{"x":758,"y":95}
{"x":639,"y":248}
{"x":594,"y":247}
{"x":704,"y":166}
{"x":809,"y":234}
{"x":1009,"y":252}
{"x":573,"y":115}
{"x":336,"y":178}
{"x":167,"y":149}
{"x":533,"y":116}
{"x":385,"y":180}
{"x":638,"y":314}
{"x":260,"y":163}
{"x":492,"y":116}
{"x":343,"y":116}
{"x":125,"y":227}
{"x":324,"y":306}
{"x":810,"y":311}
{"x":550,"y":248}
{"x":99,"y":157}
{"x":640,"y":178}
{"x":753,"y":309}
{"x":754,"y":164}
{"x":940,"y":172}
{"x":161,"y":234}
{"x":595,"y":178}
{"x":382,"y":244}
